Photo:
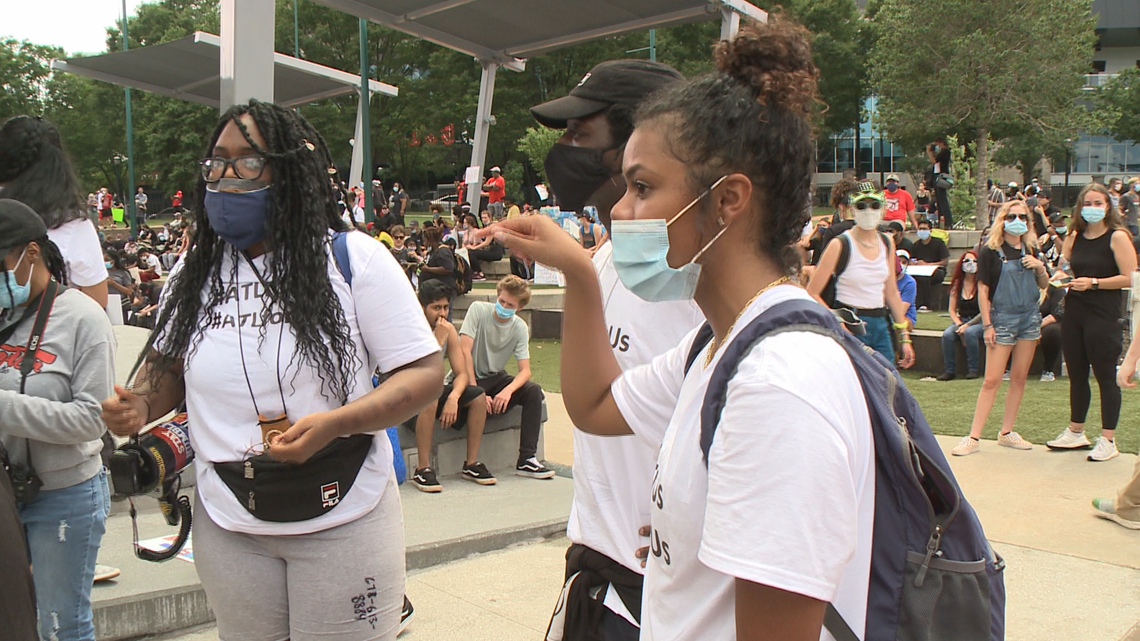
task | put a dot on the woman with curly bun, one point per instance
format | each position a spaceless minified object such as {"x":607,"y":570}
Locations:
{"x":777,"y":524}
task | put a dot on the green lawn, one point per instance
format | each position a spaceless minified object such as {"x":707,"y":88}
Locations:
{"x":949,"y":406}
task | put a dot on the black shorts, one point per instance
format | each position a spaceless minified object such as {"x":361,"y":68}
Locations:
{"x":470,"y":394}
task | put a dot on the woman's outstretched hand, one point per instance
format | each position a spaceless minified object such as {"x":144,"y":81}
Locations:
{"x":540,"y":239}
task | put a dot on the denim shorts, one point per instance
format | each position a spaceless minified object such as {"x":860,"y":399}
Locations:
{"x":1011,"y":327}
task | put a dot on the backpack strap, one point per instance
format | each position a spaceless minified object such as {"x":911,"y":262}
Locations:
{"x":703,"y":338}
{"x":844,"y":254}
{"x":793,"y":315}
{"x":340,"y":255}
{"x":834,"y":623}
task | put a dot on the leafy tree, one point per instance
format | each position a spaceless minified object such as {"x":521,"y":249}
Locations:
{"x":535,"y":144}
{"x":981,"y":69}
{"x":1118,"y":105}
{"x":24,"y":73}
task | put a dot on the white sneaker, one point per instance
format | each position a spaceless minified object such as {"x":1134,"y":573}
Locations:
{"x":1069,"y":440}
{"x":105,"y":573}
{"x":1105,"y":450}
{"x":1106,"y":509}
{"x":966,"y":446}
{"x":1047,"y":377}
{"x":1014,"y":440}
{"x":1005,"y":377}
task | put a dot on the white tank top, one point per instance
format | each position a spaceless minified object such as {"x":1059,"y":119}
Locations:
{"x":861,"y":284}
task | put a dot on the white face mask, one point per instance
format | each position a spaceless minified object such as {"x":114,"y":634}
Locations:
{"x":868,"y":219}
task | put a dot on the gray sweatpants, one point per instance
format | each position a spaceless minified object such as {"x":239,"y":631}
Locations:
{"x":342,"y":584}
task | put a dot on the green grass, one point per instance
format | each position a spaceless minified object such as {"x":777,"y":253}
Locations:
{"x":934,"y":321}
{"x":948,"y":406}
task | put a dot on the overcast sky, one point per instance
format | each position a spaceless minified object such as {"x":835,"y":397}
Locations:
{"x":79,"y":26}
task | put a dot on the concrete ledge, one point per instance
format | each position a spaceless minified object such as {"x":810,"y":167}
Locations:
{"x":498,"y":449}
{"x":431,"y":554}
{"x":156,"y":613}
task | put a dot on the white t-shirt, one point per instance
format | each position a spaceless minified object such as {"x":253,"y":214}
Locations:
{"x":389,"y":331}
{"x":787,"y":499}
{"x":78,"y":242}
{"x":152,"y":261}
{"x":612,"y":474}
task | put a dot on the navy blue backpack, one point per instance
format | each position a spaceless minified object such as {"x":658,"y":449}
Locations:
{"x":340,"y":255}
{"x":934,"y":576}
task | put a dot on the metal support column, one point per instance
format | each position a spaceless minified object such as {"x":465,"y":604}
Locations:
{"x":247,"y":51}
{"x":365,"y":139}
{"x":129,"y":198}
{"x":483,"y":122}
{"x":729,"y":23}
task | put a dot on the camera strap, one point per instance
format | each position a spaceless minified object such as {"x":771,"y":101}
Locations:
{"x":42,"y":310}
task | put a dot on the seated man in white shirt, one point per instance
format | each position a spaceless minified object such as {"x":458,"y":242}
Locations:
{"x":150,"y":267}
{"x":460,"y":403}
{"x":490,"y":335}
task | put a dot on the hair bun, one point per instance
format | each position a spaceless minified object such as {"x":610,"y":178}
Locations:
{"x":775,"y":60}
{"x":21,"y":142}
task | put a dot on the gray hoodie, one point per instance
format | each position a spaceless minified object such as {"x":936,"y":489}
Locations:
{"x":58,"y":416}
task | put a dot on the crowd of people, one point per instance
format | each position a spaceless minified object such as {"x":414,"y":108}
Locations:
{"x":290,"y":337}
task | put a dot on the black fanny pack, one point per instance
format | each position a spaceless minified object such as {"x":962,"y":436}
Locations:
{"x":280,"y":492}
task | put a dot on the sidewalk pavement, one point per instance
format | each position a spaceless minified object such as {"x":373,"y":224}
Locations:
{"x":1069,"y":574}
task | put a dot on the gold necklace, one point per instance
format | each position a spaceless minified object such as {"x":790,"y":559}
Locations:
{"x":716,"y":343}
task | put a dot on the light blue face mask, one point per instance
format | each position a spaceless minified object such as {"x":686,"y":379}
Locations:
{"x":640,"y":253}
{"x":1017,"y":227}
{"x":923,"y":234}
{"x":1092,"y":214}
{"x":503,"y":312}
{"x":13,"y":294}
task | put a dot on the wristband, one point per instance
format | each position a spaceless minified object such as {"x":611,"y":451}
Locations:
{"x":901,"y":326}
{"x":906,"y":341}
{"x":988,"y":326}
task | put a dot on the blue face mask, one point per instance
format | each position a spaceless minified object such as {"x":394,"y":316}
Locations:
{"x":13,"y":294}
{"x":108,"y":264}
{"x":640,"y":253}
{"x":503,"y":312}
{"x":923,"y":234}
{"x":892,"y":187}
{"x":1017,"y":227}
{"x":1092,"y":214}
{"x":238,"y":216}
{"x":1062,"y":230}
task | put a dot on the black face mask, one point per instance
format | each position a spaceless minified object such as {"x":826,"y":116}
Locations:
{"x":575,"y":173}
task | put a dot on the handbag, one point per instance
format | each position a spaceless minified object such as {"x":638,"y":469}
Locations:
{"x":281,"y":492}
{"x":944,"y":181}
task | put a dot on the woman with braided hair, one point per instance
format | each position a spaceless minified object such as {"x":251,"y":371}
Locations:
{"x":269,"y":330}
{"x":35,"y":170}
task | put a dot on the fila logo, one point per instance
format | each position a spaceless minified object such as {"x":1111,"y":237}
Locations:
{"x":584,"y":79}
{"x":330,"y":494}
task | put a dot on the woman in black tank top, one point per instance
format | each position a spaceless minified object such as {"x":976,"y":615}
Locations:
{"x":1101,"y":260}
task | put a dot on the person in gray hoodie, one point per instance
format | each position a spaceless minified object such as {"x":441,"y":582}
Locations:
{"x":50,"y":421}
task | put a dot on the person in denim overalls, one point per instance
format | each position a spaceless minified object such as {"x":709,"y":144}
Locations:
{"x":1010,"y":280}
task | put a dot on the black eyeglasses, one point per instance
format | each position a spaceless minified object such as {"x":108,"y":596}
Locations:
{"x":245,"y":167}
{"x":1024,"y":217}
{"x":868,"y":203}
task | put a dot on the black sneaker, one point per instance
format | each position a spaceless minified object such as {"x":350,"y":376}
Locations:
{"x":946,"y":376}
{"x":972,"y":376}
{"x":425,"y":480}
{"x":406,"y":615}
{"x":533,"y":469}
{"x":478,"y":473}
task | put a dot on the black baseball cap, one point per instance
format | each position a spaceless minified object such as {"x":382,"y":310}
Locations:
{"x":19,"y":225}
{"x":608,"y":83}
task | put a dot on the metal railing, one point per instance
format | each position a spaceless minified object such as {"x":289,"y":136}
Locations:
{"x":1097,"y":80}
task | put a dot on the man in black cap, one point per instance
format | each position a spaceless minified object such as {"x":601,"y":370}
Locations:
{"x":612,"y":475}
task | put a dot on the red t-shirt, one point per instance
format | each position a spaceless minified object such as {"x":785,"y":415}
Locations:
{"x":899,"y":205}
{"x":177,"y":200}
{"x":106,"y":201}
{"x":496,"y":189}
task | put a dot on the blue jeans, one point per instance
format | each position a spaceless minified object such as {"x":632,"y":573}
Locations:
{"x":65,"y":528}
{"x":878,"y":336}
{"x":972,"y":338}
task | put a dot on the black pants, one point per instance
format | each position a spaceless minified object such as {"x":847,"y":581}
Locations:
{"x":479,"y":256}
{"x":615,"y":628}
{"x":942,"y":197}
{"x":928,"y":290}
{"x":470,"y":394}
{"x":1051,"y":347}
{"x":1092,"y":337}
{"x":17,"y":594}
{"x":529,"y":397}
